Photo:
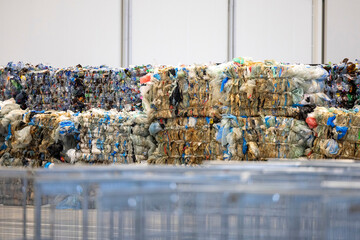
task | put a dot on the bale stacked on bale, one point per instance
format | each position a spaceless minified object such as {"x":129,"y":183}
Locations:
{"x":114,"y":88}
{"x":337,"y":133}
{"x":179,"y":92}
{"x":261,"y":102}
{"x":178,"y":102}
{"x":75,"y":88}
{"x":269,"y":88}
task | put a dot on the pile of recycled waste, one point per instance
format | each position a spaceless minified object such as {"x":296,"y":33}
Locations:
{"x":76,"y":88}
{"x":337,"y":133}
{"x":239,"y":110}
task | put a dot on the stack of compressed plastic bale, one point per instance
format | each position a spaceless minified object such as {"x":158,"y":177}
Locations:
{"x":114,"y":137}
{"x":187,"y":103}
{"x":337,"y":133}
{"x":343,"y":84}
{"x":178,"y":102}
{"x":75,"y":88}
{"x":261,"y":102}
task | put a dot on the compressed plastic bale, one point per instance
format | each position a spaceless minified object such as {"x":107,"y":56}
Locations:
{"x":113,"y":137}
{"x":183,"y":141}
{"x":339,"y":126}
{"x":77,"y":88}
{"x":342,"y":84}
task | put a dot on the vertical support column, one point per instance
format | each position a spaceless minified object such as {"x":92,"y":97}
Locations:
{"x":231,"y":30}
{"x":85,"y":207}
{"x":323,"y":31}
{"x":317,"y":31}
{"x":37,"y":212}
{"x":126,"y":25}
{"x":24,"y":191}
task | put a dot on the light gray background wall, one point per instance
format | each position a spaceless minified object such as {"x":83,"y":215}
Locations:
{"x":60,"y":32}
{"x":68,"y":32}
{"x":342,"y":30}
{"x":173,"y":31}
{"x":276,"y":29}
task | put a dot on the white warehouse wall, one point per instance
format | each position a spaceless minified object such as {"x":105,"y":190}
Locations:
{"x":68,"y":32}
{"x":274,"y":29}
{"x":61,"y":32}
{"x":342,"y":35}
{"x":179,"y":31}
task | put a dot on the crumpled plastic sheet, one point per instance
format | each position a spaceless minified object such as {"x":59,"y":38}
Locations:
{"x":76,"y":88}
{"x":184,"y":140}
{"x":337,"y":133}
{"x":256,"y":138}
{"x":343,"y":84}
{"x":114,"y":137}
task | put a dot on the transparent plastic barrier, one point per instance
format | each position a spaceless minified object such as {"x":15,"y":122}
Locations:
{"x":258,"y":211}
{"x":68,"y":201}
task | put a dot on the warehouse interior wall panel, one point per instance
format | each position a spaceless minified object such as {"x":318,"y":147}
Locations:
{"x":179,"y":31}
{"x":61,"y":32}
{"x":342,"y":30}
{"x":274,"y":29}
